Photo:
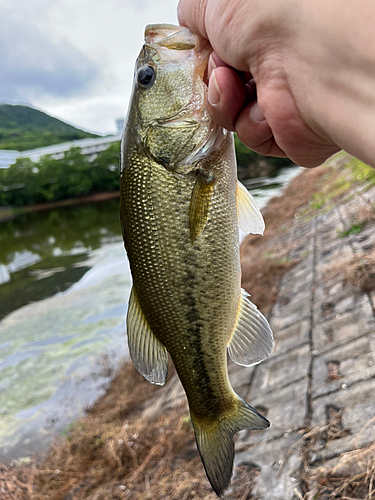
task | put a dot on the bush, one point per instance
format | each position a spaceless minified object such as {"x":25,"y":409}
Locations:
{"x":27,"y":182}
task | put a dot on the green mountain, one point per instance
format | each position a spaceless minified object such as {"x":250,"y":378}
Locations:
{"x":22,"y":127}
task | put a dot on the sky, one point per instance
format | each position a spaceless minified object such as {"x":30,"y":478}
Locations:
{"x":74,"y":59}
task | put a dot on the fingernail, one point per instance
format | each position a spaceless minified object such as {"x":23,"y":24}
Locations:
{"x":255,"y":113}
{"x":214,"y":93}
{"x":211,"y":66}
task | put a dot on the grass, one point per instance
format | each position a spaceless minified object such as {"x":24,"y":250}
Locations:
{"x":353,"y":229}
{"x":352,"y":478}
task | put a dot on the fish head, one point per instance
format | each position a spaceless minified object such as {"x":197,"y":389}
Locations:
{"x":167,"y":116}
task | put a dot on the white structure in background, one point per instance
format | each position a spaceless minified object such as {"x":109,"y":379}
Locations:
{"x":89,"y":147}
{"x":8,"y":157}
{"x":4,"y":274}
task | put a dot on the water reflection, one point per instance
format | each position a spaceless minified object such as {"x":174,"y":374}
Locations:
{"x":40,"y":253}
{"x":41,"y":233}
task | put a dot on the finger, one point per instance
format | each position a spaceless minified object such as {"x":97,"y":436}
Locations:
{"x":253,"y":130}
{"x":214,"y":62}
{"x":226,"y":96}
{"x":192,"y":13}
{"x":251,"y":92}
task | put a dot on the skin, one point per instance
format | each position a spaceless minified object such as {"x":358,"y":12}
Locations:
{"x":293,"y":78}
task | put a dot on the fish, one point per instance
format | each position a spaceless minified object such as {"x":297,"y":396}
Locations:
{"x":181,"y":207}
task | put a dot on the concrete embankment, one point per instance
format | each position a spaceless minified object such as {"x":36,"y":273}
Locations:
{"x":313,"y":274}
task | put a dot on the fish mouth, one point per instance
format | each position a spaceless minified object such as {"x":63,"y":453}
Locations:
{"x":169,"y":36}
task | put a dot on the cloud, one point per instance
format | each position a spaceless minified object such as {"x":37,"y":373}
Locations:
{"x":31,"y":64}
{"x":75,"y":58}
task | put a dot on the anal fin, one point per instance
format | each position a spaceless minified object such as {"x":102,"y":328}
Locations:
{"x":252,"y":338}
{"x":148,"y":354}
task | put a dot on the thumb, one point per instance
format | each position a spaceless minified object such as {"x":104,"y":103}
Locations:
{"x":192,"y":14}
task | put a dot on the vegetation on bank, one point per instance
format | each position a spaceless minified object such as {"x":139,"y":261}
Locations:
{"x":22,"y":128}
{"x":246,"y":156}
{"x":28,"y":183}
{"x":49,"y":180}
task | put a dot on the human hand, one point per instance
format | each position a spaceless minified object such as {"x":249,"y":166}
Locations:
{"x":256,"y":86}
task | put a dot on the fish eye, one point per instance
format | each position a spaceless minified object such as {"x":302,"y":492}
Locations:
{"x":146,"y":76}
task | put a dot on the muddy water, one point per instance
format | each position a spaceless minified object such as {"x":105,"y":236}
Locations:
{"x":64,"y":287}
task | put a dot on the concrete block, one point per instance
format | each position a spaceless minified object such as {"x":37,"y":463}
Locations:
{"x":281,"y":370}
{"x":344,"y":366}
{"x":285,"y":408}
{"x":343,"y":328}
{"x":300,"y":272}
{"x":278,"y":462}
{"x":240,"y":378}
{"x":364,"y":242}
{"x":294,"y":289}
{"x":296,"y":310}
{"x":289,"y":300}
{"x":345,"y":299}
{"x":291,"y":336}
{"x":357,"y":404}
{"x":303,"y":247}
{"x":329,"y":233}
{"x":324,"y":290}
{"x":330,"y":258}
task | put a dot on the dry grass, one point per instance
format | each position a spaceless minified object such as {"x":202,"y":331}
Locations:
{"x":350,"y":477}
{"x":353,"y":478}
{"x":115,"y":453}
{"x":358,"y":272}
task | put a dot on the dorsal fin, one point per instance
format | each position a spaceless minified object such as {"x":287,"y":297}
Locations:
{"x":250,"y":220}
{"x":148,"y":354}
{"x":252,"y":338}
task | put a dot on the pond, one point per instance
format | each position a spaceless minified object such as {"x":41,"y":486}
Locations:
{"x":64,"y":287}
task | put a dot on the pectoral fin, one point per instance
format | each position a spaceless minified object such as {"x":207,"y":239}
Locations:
{"x":200,"y":204}
{"x":250,"y":219}
{"x":148,"y":354}
{"x":252,"y":339}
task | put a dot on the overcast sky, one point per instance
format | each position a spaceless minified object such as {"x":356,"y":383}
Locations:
{"x":74,"y":59}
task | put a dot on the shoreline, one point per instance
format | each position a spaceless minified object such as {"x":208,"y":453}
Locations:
{"x":9,"y":213}
{"x":125,"y":446}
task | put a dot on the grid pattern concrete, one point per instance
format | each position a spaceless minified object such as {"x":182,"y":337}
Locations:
{"x":323,"y":363}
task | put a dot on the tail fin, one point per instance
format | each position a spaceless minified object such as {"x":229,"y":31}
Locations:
{"x":215,"y":442}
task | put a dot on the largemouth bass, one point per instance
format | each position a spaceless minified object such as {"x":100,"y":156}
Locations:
{"x":181,"y":205}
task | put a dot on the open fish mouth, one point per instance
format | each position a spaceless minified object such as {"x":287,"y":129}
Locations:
{"x":179,"y":38}
{"x":169,"y":36}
